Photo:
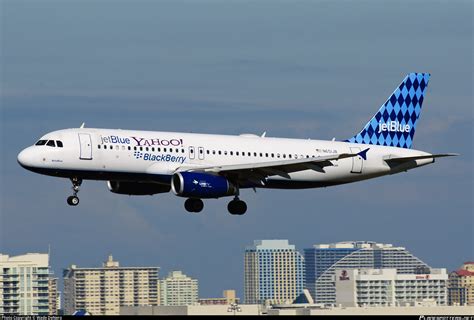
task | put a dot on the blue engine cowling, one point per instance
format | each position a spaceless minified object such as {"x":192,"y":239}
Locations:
{"x":201,"y":185}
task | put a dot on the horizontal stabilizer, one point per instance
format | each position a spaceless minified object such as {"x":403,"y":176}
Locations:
{"x":397,"y":161}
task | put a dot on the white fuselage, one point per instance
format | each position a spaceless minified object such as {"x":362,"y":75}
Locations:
{"x":129,"y":155}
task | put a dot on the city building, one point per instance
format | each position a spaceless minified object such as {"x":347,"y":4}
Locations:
{"x":102,"y":291}
{"x":274,"y":272}
{"x":177,"y":289}
{"x":195,"y":310}
{"x":228,"y":297}
{"x":323,"y":259}
{"x":386,"y":287}
{"x":461,"y":285}
{"x":54,"y":300}
{"x":25,"y":285}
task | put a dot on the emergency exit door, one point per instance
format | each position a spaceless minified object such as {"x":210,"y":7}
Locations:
{"x":357,"y":161}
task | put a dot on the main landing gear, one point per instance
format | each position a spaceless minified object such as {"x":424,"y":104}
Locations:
{"x":237,"y":207}
{"x":193,"y":205}
{"x":74,"y":200}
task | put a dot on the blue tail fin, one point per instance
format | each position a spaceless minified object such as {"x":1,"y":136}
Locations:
{"x":395,"y":122}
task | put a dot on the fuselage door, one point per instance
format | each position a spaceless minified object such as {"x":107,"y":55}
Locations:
{"x":85,"y":144}
{"x":357,"y":161}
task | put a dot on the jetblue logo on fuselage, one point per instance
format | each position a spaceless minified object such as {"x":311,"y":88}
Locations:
{"x":393,"y":126}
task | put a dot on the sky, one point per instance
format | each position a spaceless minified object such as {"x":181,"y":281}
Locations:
{"x":299,"y":69}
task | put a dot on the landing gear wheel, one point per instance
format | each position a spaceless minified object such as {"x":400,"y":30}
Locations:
{"x":73,"y":200}
{"x":237,"y":207}
{"x":193,"y":205}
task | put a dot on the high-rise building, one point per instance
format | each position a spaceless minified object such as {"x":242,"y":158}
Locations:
{"x":54,"y":298}
{"x":274,"y":272}
{"x":386,"y":287}
{"x":323,"y":259}
{"x":102,"y":291}
{"x":25,"y":285}
{"x":461,"y":285}
{"x":177,"y":289}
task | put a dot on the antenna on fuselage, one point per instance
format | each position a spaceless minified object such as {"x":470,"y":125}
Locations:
{"x":82,"y":125}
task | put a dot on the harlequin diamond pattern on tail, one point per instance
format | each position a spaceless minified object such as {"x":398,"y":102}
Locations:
{"x":395,"y":122}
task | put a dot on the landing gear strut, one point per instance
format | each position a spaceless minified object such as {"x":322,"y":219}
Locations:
{"x":74,"y":200}
{"x":237,"y":206}
{"x":193,"y":205}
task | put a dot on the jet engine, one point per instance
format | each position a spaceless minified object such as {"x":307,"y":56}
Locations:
{"x":201,"y":185}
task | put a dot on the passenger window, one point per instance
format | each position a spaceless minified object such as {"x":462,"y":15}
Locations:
{"x":278,"y":155}
{"x":41,"y":143}
{"x":59,"y":143}
{"x":273,"y":155}
{"x":153,"y":149}
{"x":135,"y":148}
{"x":117,"y":148}
{"x":164,"y":150}
{"x":129,"y":148}
{"x":98,"y":146}
{"x":249,"y":154}
{"x":284,"y":155}
{"x":146,"y":148}
{"x":225,"y":153}
{"x":123,"y":147}
{"x":255,"y":154}
{"x":261,"y":154}
{"x":289,"y":156}
{"x":182,"y":150}
{"x":237,"y":153}
{"x":50,"y":143}
{"x":111,"y":147}
{"x":141,"y":148}
{"x":231,"y":153}
{"x":207,"y":151}
{"x":177,"y":150}
{"x":213,"y":151}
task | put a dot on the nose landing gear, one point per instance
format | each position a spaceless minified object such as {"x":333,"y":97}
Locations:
{"x":74,"y":199}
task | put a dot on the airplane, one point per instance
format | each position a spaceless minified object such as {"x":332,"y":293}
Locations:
{"x":208,"y":166}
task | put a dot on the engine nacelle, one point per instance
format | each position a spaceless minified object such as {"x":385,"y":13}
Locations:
{"x":137,"y":188}
{"x":201,"y":185}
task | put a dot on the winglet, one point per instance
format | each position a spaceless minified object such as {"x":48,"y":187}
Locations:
{"x":363,"y":154}
{"x":82,"y":125}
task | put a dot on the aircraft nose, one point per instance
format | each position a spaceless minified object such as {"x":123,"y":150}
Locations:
{"x":25,"y":157}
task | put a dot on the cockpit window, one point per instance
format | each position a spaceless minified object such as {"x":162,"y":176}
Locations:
{"x":59,"y":143}
{"x":50,"y":143}
{"x":41,"y":143}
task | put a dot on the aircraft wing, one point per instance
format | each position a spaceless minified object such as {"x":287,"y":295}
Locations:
{"x":257,"y":172}
{"x":401,"y":160}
